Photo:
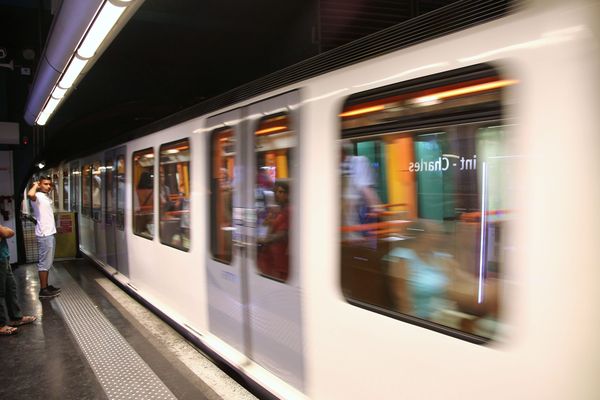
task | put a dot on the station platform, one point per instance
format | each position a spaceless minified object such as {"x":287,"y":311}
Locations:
{"x":93,"y":341}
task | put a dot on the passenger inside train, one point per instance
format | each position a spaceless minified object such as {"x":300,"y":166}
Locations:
{"x":273,"y":253}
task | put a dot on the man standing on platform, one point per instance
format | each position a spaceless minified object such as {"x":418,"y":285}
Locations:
{"x":8,"y":291}
{"x":45,"y":231}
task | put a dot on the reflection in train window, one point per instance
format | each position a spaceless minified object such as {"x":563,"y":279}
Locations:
{"x":143,"y":193}
{"x":274,"y":141}
{"x":97,"y":191}
{"x":221,"y":199}
{"x":425,"y":202}
{"x":109,"y":192}
{"x":121,"y":193}
{"x":74,"y":186}
{"x":65,"y":191}
{"x":174,"y":194}
{"x":86,"y":190}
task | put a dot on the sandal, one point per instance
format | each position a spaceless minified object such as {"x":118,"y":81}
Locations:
{"x":26,"y":319}
{"x":7,"y":330}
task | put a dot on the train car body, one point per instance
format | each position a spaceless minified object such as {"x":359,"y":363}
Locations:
{"x":490,"y":132}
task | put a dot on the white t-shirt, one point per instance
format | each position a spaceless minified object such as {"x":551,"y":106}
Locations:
{"x":44,"y":214}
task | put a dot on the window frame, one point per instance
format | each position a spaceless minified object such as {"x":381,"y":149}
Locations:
{"x":109,"y":191}
{"x":148,"y":150}
{"x":287,"y":115}
{"x":66,"y":194}
{"x":160,"y":211}
{"x":86,"y":209}
{"x":120,"y":212}
{"x":97,"y":217}
{"x":410,"y":128}
{"x":213,"y":187}
{"x":74,"y":186}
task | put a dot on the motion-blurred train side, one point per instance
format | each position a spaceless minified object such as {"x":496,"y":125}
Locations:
{"x":419,"y":224}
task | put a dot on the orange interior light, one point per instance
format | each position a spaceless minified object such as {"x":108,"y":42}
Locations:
{"x":465,"y":90}
{"x":361,"y":111}
{"x":273,"y":129}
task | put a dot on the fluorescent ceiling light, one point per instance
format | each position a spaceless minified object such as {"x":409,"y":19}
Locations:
{"x":48,"y":110}
{"x":51,"y":106}
{"x":43,"y":118}
{"x":72,"y":72}
{"x":58,"y":92}
{"x":103,"y":23}
{"x":107,"y":18}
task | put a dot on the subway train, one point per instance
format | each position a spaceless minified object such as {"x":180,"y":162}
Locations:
{"x":393,"y":219}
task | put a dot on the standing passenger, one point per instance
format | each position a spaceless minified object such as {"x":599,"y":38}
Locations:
{"x":273,"y":257}
{"x":45,"y":231}
{"x":8,"y":290}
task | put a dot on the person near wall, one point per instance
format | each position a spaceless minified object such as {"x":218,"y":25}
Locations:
{"x":9,"y":305}
{"x":45,"y":231}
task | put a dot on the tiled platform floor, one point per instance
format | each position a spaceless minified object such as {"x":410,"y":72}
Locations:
{"x":44,"y":361}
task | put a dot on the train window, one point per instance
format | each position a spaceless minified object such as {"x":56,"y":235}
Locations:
{"x":143,"y":193}
{"x":74,"y":187}
{"x":109,"y":201}
{"x":274,"y":141}
{"x":121,"y":193}
{"x":425,"y":201}
{"x":65,"y":181}
{"x":86,"y":190}
{"x":56,"y":189}
{"x":174,"y":194}
{"x":97,"y":191}
{"x":221,"y":199}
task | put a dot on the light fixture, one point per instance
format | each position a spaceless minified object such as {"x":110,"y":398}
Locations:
{"x":104,"y":21}
{"x":41,"y":165}
{"x":48,"y":110}
{"x":58,"y":92}
{"x":107,"y":18}
{"x":73,"y":70}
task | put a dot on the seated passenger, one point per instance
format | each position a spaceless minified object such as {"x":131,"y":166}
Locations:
{"x":420,"y":273}
{"x":428,"y":283}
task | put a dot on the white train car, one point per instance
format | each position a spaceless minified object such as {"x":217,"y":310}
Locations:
{"x":442,"y":258}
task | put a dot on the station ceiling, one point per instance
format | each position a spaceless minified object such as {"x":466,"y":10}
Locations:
{"x":173,"y":54}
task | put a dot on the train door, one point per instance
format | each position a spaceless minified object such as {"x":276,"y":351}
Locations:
{"x":225,"y":275}
{"x":122,"y":264}
{"x":110,"y":208}
{"x":255,"y":166}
